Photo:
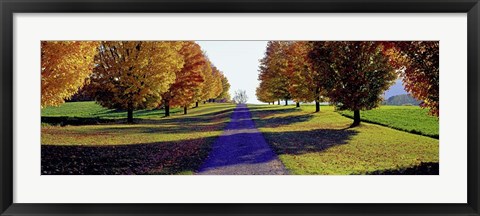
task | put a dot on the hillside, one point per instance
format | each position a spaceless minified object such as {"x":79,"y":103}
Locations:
{"x":403,"y":99}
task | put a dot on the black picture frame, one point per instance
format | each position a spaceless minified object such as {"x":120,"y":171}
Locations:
{"x":9,"y":7}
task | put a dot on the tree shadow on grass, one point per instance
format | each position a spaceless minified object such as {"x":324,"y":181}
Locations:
{"x":160,"y":129}
{"x":200,"y":118}
{"x":78,"y":121}
{"x":274,"y":122}
{"x":129,"y":159}
{"x":424,"y":168}
{"x":268,"y":119}
{"x":64,"y":120}
{"x":301,"y":142}
{"x":269,"y":111}
{"x":413,"y":131}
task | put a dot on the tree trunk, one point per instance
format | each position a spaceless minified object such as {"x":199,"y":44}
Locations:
{"x":317,"y":106}
{"x":278,"y":102}
{"x":298,"y":104}
{"x":167,"y":108}
{"x":130,"y":115}
{"x":356,"y":118}
{"x":286,"y":102}
{"x":196,"y":104}
{"x":185,"y":110}
{"x":213,"y":100}
{"x":268,"y":103}
{"x":204,"y":102}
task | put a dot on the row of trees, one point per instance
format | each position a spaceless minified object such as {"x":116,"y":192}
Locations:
{"x":349,"y":74}
{"x":131,"y":75}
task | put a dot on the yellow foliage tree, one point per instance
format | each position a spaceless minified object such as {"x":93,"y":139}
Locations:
{"x":217,"y":84}
{"x":65,"y":66}
{"x":202,"y":87}
{"x":264,"y":95}
{"x":225,"y":94}
{"x":132,"y":75}
{"x":272,"y":70}
{"x":213,"y":83}
{"x":182,"y":91}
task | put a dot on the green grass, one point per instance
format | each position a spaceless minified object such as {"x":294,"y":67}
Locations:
{"x":153,"y":145}
{"x":90,"y":109}
{"x":322,"y":143}
{"x":412,"y":119}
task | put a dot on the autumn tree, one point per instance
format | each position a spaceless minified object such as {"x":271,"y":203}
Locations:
{"x":419,"y":69}
{"x":64,"y":67}
{"x":213,"y":84}
{"x":272,"y":70}
{"x":305,"y":78}
{"x":200,"y":91}
{"x":359,"y":74}
{"x":216,"y":82}
{"x":266,"y":87}
{"x":225,"y":94}
{"x":132,"y":75}
{"x":264,"y":95}
{"x":182,"y":92}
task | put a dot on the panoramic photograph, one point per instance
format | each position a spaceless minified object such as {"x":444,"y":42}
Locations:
{"x":239,"y":108}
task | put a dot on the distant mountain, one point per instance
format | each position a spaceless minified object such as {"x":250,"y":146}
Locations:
{"x":395,"y":89}
{"x":404,"y":99}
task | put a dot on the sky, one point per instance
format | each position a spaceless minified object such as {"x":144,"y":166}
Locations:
{"x":239,"y":61}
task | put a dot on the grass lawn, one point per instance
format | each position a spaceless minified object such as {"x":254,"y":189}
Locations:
{"x":153,"y":145}
{"x":412,"y":119}
{"x":323,"y":143}
{"x":90,"y":109}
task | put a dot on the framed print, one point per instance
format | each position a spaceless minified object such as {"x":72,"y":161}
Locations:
{"x":246,"y":108}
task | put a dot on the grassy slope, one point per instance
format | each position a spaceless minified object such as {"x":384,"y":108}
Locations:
{"x":322,"y":143}
{"x":412,"y":119}
{"x":154,"y":145}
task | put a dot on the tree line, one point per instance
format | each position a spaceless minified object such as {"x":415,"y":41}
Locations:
{"x":131,"y":75}
{"x":351,"y":75}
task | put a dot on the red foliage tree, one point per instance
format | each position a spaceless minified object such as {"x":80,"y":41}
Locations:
{"x":419,"y":63}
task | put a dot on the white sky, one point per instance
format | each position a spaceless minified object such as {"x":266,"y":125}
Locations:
{"x":239,"y":61}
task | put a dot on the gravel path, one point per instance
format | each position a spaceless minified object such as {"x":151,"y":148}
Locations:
{"x":242,"y":150}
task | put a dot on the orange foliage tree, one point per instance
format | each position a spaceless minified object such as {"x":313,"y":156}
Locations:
{"x":305,"y":79}
{"x":132,"y":75}
{"x":202,"y":88}
{"x":359,"y":74}
{"x":64,"y":66}
{"x":188,"y":79}
{"x":272,"y":70}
